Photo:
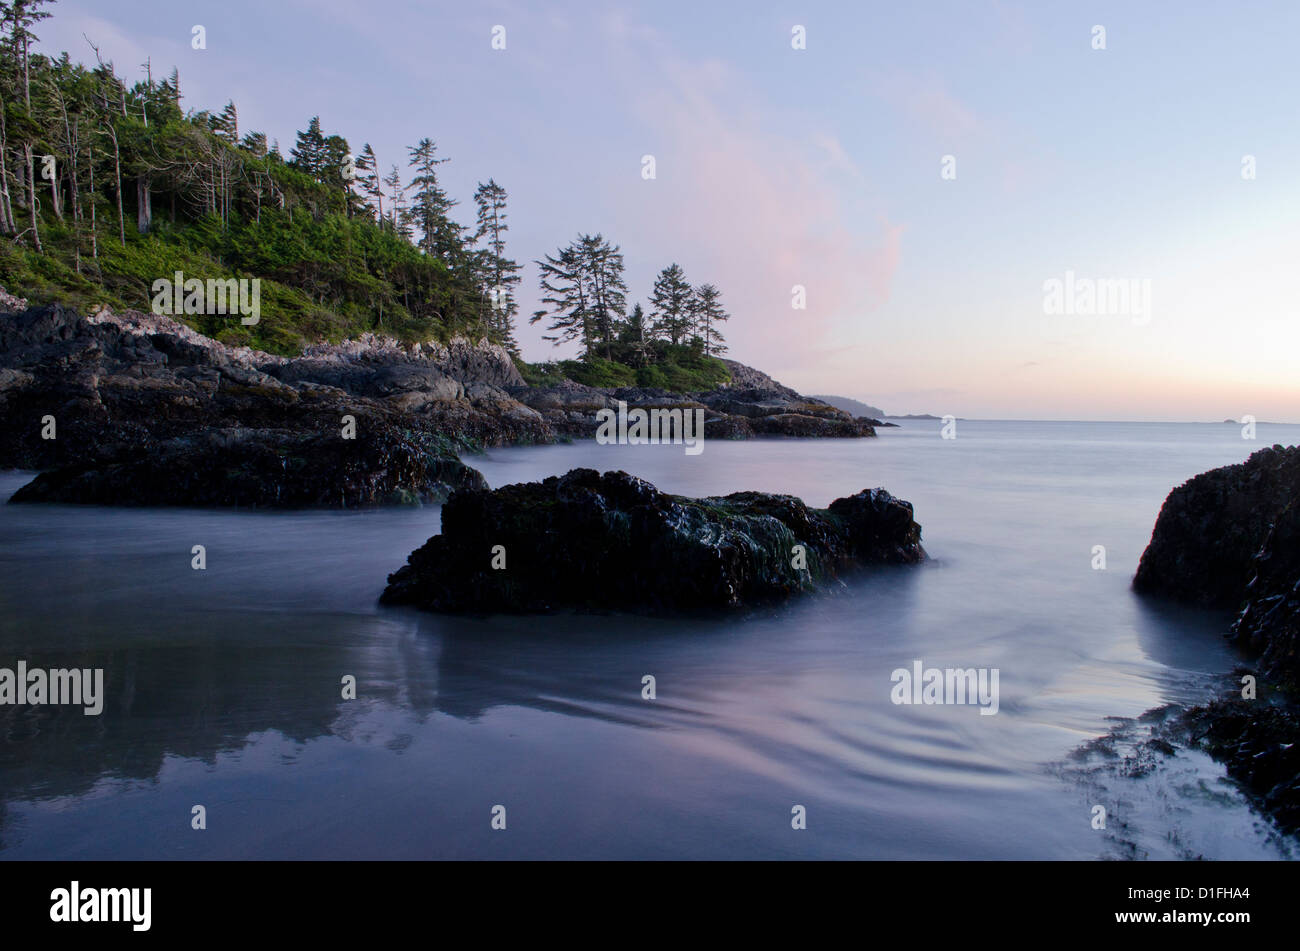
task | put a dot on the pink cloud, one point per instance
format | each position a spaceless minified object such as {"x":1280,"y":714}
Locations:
{"x":758,"y":205}
{"x":927,"y":101}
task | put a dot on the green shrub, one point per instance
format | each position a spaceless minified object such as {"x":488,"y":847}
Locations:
{"x":680,"y":369}
{"x":595,"y":371}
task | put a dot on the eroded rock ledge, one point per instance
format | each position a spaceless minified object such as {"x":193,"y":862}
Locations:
{"x":261,"y":468}
{"x":132,"y":396}
{"x":615,"y":542}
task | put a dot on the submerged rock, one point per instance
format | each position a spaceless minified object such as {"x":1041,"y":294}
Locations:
{"x":615,"y":542}
{"x":258,"y":468}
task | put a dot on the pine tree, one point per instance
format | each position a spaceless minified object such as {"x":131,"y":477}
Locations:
{"x":497,"y":272}
{"x":439,"y":235}
{"x":22,"y":15}
{"x":171,"y":88}
{"x":708,"y":313}
{"x":336,"y":157}
{"x":368,"y":179}
{"x":670,"y":305}
{"x":398,"y":217}
{"x":602,"y":266}
{"x":636,"y":336}
{"x":226,"y":124}
{"x":308,"y":154}
{"x":564,"y":299}
{"x":255,"y":142}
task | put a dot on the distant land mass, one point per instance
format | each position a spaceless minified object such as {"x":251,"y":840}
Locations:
{"x":916,"y":416}
{"x":852,"y":406}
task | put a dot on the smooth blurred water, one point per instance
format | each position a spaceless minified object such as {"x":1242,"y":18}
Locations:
{"x":224,"y":685}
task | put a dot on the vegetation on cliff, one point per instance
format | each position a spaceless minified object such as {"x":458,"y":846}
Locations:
{"x":109,"y":185}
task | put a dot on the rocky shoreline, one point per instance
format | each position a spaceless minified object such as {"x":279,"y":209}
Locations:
{"x":614,"y":542}
{"x":1230,"y":538}
{"x":115,"y":404}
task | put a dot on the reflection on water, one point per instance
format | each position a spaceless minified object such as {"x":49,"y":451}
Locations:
{"x":223,"y":685}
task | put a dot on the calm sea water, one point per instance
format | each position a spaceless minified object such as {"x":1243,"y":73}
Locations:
{"x":224,"y":684}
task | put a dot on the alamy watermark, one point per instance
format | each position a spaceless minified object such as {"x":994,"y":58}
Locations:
{"x":182,"y":295}
{"x":950,"y":685}
{"x":37,"y":687}
{"x":77,"y":904}
{"x":1098,"y":297}
{"x":639,"y":427}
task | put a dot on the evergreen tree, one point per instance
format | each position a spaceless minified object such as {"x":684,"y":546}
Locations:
{"x":602,"y":269}
{"x":398,"y":217}
{"x":636,"y":336}
{"x":671,"y":305}
{"x":226,"y":124}
{"x":564,"y":297}
{"x":308,"y":154}
{"x":497,"y":272}
{"x":707,"y":312}
{"x":21,"y":16}
{"x":430,"y":206}
{"x":255,"y":142}
{"x":338,"y":171}
{"x":369,"y":181}
{"x":585,"y":295}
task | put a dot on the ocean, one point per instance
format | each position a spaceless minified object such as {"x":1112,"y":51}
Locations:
{"x":223,"y":685}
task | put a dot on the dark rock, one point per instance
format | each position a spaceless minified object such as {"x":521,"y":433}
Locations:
{"x":727,"y":427}
{"x":615,"y":542}
{"x":264,"y":469}
{"x":800,"y":425}
{"x":1256,"y":741}
{"x":1230,"y":538}
{"x":1270,"y":620}
{"x":747,"y":378}
{"x":124,"y":384}
{"x":1211,"y":528}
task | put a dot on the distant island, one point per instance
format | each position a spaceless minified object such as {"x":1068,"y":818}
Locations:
{"x":851,"y":406}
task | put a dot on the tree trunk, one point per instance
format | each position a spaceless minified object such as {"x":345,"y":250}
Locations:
{"x":6,"y":205}
{"x":54,"y":196}
{"x":27,"y":78}
{"x":94,"y":235}
{"x":117,"y":179}
{"x":31,"y":196}
{"x":144,"y":204}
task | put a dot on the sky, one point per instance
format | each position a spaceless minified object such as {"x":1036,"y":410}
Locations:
{"x":924,"y":171}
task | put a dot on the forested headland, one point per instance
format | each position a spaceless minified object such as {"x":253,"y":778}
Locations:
{"x":110,"y":183}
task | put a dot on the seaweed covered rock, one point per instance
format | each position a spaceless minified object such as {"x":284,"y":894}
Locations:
{"x":260,"y":468}
{"x":615,"y":542}
{"x":1269,"y":621}
{"x":1256,"y":742}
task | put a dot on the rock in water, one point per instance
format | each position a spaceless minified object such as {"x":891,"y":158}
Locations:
{"x":1230,"y":538}
{"x":615,"y":542}
{"x":261,"y":468}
